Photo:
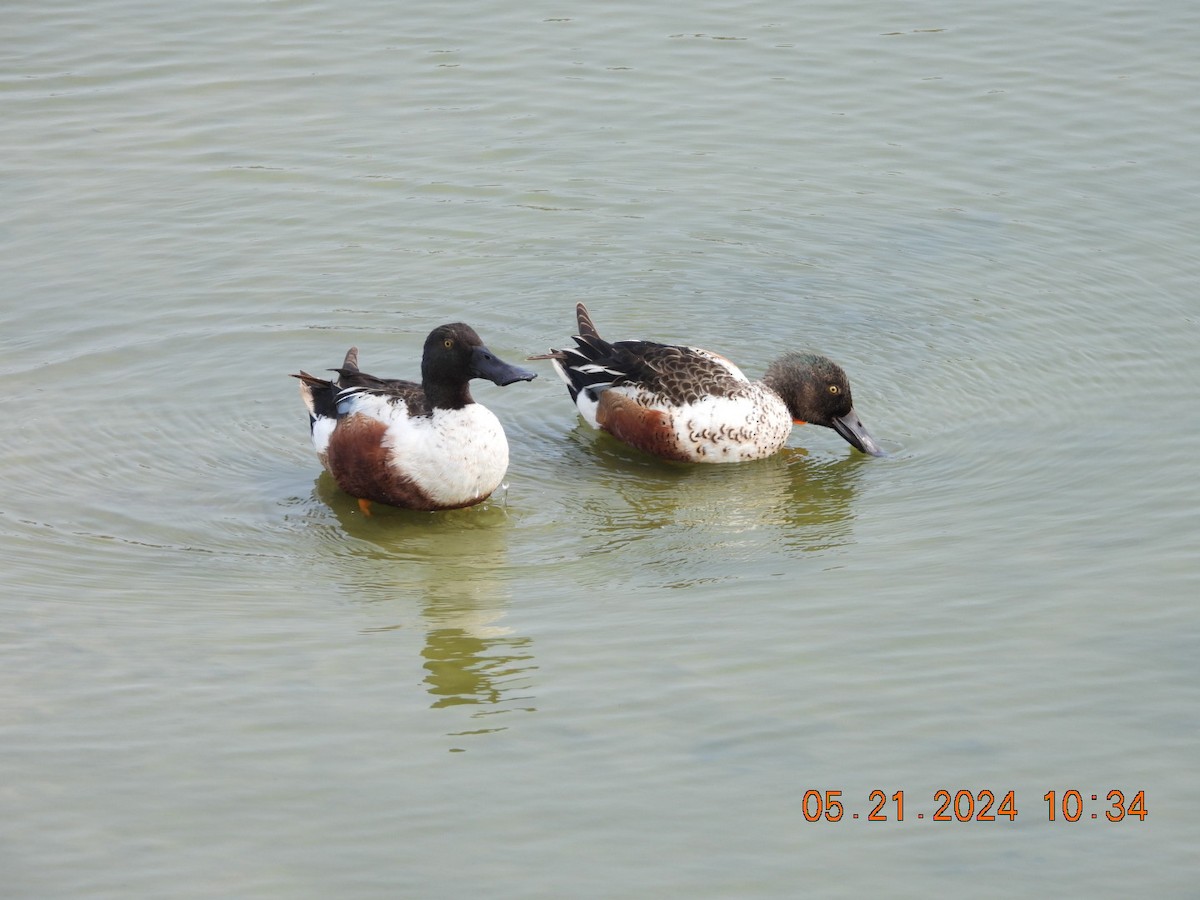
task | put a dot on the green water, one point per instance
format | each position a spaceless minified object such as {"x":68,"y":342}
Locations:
{"x":619,"y":677}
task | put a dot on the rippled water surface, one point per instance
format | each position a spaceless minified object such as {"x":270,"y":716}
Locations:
{"x":620,"y":678}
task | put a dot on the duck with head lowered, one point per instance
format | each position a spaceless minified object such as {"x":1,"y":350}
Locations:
{"x":425,"y":446}
{"x":692,"y":405}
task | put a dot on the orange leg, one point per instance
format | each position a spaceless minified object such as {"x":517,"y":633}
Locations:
{"x":365,"y":506}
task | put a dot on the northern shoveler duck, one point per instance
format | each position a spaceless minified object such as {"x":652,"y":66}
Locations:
{"x":418,"y":446}
{"x":692,"y":405}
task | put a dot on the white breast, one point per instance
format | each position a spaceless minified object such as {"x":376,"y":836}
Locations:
{"x":733,"y":429}
{"x":455,"y":455}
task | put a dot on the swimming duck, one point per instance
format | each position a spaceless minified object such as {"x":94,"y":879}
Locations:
{"x":418,"y":446}
{"x":692,"y":405}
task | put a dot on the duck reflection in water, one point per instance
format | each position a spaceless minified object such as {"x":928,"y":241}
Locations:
{"x":452,"y":566}
{"x":796,"y":502}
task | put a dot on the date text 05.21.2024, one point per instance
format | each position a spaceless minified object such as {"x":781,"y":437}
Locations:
{"x":978,"y":806}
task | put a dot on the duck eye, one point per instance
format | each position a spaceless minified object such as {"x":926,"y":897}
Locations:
{"x":834,"y":389}
{"x":447,"y":343}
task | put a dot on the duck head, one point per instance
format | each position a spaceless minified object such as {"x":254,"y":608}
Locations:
{"x":455,"y":353}
{"x":816,"y":390}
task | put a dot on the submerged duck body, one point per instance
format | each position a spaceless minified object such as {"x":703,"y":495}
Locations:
{"x":426,"y":446}
{"x":693,"y":405}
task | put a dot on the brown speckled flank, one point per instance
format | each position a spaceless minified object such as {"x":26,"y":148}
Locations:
{"x":639,"y":426}
{"x":693,"y":405}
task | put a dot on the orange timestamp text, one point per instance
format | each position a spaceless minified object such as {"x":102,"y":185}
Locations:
{"x":965,"y":805}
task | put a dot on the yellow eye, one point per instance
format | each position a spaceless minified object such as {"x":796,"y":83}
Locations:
{"x":834,"y":389}
{"x":447,"y":343}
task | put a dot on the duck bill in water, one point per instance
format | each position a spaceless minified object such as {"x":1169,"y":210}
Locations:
{"x":485,"y":364}
{"x":851,"y":428}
